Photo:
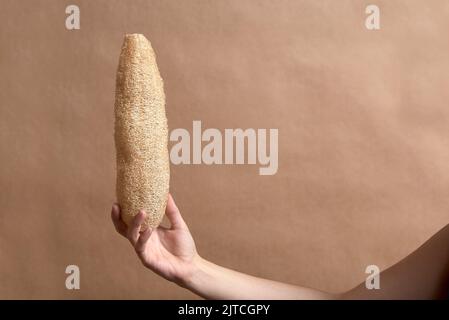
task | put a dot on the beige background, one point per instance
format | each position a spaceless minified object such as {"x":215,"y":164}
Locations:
{"x":363,"y":138}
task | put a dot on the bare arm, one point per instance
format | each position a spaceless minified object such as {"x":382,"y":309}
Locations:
{"x":214,"y":282}
{"x":171,"y":253}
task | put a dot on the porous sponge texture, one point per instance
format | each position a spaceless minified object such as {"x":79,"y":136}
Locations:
{"x":141,"y":133}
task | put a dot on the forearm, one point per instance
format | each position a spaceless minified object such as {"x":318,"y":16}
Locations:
{"x":211,"y":281}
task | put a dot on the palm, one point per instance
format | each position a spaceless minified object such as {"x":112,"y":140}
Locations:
{"x":167,"y":251}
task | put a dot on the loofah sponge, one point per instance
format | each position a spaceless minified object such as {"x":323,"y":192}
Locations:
{"x":141,"y":133}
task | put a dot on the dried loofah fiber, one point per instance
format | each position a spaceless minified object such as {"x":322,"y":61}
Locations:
{"x":141,"y":133}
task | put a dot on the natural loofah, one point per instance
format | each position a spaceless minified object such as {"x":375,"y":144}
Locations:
{"x":141,"y":133}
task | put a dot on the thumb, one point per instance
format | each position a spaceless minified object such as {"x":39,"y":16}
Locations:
{"x":173,"y":214}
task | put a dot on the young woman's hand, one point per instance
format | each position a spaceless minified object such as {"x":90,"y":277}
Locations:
{"x":170,"y":252}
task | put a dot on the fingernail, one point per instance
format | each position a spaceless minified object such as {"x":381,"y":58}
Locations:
{"x":138,"y":216}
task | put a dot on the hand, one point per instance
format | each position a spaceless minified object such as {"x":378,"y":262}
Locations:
{"x":169,"y":252}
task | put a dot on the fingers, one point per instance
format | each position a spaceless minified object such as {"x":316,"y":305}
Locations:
{"x":134,"y":228}
{"x":119,"y":225}
{"x":137,"y":239}
{"x":143,"y":239}
{"x":173,"y":214}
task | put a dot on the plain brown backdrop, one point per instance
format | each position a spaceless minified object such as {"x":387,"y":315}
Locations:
{"x":363,"y":123}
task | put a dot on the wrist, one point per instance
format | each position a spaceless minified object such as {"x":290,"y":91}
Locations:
{"x":193,"y":273}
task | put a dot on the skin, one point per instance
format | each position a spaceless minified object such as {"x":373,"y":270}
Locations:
{"x":171,"y":253}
